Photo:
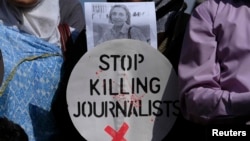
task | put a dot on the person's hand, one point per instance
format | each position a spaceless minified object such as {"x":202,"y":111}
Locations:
{"x":24,"y":3}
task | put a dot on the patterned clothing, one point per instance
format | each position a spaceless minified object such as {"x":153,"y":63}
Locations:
{"x":31,"y":75}
{"x":30,"y":46}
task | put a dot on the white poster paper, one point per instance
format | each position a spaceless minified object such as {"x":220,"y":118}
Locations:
{"x":131,"y":20}
{"x":123,"y":90}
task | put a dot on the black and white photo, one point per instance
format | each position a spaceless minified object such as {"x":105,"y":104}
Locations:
{"x":108,"y":21}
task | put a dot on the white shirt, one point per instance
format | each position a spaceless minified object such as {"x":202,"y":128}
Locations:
{"x":41,"y":21}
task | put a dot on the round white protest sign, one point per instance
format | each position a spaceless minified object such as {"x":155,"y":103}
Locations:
{"x":123,"y":90}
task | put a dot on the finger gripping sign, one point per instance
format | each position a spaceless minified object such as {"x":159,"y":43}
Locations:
{"x":123,"y":90}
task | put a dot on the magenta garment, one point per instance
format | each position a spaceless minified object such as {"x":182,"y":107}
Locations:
{"x":214,"y":69}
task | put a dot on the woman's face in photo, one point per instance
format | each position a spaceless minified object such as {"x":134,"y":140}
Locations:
{"x":118,"y":16}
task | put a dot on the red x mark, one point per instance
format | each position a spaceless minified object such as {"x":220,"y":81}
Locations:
{"x":117,"y":136}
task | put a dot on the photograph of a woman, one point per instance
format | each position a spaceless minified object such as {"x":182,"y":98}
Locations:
{"x":109,"y":21}
{"x":120,"y":16}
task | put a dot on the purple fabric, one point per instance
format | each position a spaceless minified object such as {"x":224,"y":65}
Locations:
{"x":214,"y":69}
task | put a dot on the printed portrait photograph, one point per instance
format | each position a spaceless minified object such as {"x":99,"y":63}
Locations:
{"x":111,"y":21}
